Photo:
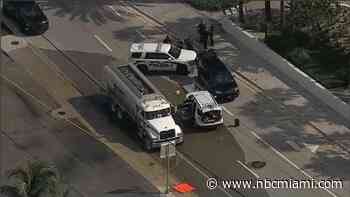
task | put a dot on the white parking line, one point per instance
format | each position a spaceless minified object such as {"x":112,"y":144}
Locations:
{"x":247,"y":168}
{"x":114,"y":10}
{"x":103,"y":43}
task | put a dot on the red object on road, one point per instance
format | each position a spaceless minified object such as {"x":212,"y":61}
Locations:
{"x":184,"y":188}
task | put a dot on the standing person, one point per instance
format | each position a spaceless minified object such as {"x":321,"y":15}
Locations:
{"x":205,"y":39}
{"x":167,"y":39}
{"x":211,"y":35}
{"x":200,"y":29}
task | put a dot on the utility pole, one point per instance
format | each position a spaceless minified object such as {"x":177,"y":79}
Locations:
{"x":167,"y":150}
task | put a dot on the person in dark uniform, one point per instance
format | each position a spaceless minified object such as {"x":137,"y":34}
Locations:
{"x":205,"y":39}
{"x":167,"y":39}
{"x":201,"y":28}
{"x":211,"y":35}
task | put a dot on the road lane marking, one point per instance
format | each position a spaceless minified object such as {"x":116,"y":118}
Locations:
{"x":141,"y":34}
{"x":200,"y":171}
{"x":227,"y":111}
{"x":311,"y":147}
{"x":345,"y":4}
{"x":248,"y":34}
{"x":114,"y":10}
{"x":294,"y":145}
{"x":103,"y":43}
{"x":247,"y":168}
{"x":128,"y":9}
{"x":289,"y":161}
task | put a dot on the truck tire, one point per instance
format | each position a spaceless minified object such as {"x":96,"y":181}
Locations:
{"x":181,"y":69}
{"x":116,"y":112}
{"x":143,"y":68}
{"x":147,"y":144}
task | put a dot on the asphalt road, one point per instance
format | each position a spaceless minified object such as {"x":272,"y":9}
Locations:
{"x":99,"y":35}
{"x":30,"y":132}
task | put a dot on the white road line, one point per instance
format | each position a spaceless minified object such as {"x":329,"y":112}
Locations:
{"x":227,"y":111}
{"x":294,"y":145}
{"x":247,"y":168}
{"x":141,"y":34}
{"x":131,"y":10}
{"x":345,"y":4}
{"x":103,"y":43}
{"x":200,"y":171}
{"x":125,"y":8}
{"x":288,"y":161}
{"x":248,"y":34}
{"x":114,"y":10}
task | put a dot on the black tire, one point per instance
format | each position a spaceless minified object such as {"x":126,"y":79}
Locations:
{"x":143,"y":68}
{"x":181,"y":69}
{"x":116,"y":113}
{"x":147,"y":144}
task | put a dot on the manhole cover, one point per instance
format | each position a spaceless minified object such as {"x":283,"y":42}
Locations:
{"x":15,"y":42}
{"x":61,"y":113}
{"x":258,"y":164}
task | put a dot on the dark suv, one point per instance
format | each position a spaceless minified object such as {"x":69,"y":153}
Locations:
{"x":27,"y":14}
{"x":214,"y":76}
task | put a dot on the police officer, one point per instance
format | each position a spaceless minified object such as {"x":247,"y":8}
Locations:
{"x":211,"y":35}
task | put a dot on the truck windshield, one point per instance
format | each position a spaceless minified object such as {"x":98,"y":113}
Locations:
{"x":211,"y":116}
{"x":157,"y":114}
{"x":174,"y":51}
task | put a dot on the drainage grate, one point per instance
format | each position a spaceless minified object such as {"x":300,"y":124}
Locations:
{"x":257,"y":164}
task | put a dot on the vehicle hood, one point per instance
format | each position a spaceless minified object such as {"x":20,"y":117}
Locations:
{"x":187,"y":55}
{"x":162,"y":124}
{"x":35,"y":21}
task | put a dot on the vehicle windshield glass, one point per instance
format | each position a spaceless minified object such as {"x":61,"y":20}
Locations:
{"x":212,"y":115}
{"x":222,"y":79}
{"x":30,"y":10}
{"x":175,"y":51}
{"x":157,"y":114}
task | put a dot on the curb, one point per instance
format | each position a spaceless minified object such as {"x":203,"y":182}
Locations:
{"x":285,"y":67}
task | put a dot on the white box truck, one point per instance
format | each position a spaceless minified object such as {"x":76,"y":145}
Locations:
{"x":132,"y":94}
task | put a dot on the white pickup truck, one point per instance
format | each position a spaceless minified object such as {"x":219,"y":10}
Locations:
{"x":202,"y":109}
{"x":132,"y":94}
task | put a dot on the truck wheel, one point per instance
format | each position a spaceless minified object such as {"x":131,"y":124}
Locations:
{"x":119,"y":114}
{"x":147,"y":144}
{"x":181,"y":69}
{"x":143,"y":68}
{"x":116,"y":112}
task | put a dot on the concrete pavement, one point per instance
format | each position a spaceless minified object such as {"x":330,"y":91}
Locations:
{"x":30,"y":132}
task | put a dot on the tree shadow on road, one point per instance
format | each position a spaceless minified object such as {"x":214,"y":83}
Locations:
{"x":95,"y":11}
{"x":288,"y":129}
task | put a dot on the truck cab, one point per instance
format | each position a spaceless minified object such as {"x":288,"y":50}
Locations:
{"x":158,"y":123}
{"x":202,"y":109}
